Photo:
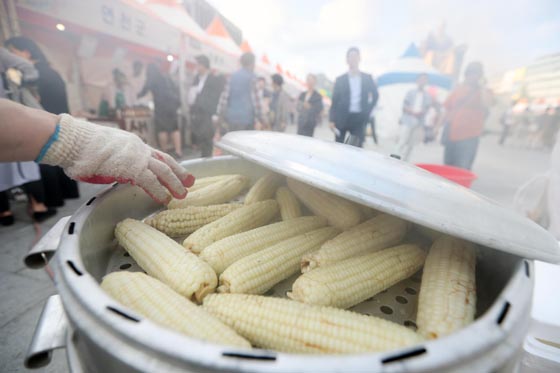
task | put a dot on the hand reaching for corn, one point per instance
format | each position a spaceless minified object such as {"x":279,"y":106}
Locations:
{"x":103,"y":155}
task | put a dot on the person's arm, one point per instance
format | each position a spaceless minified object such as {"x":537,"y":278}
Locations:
{"x":374,"y":95}
{"x":88,"y":152}
{"x":222,"y":103}
{"x":257,"y":105}
{"x":334,"y":102}
{"x":24,"y":131}
{"x":10,"y":60}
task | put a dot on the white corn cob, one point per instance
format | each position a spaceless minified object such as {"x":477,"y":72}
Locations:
{"x":159,"y":303}
{"x":351,"y":281}
{"x":339,"y":212}
{"x":180,"y":222}
{"x":447,"y":299}
{"x":163,"y":258}
{"x":263,"y":189}
{"x":374,"y":234}
{"x":288,"y":203}
{"x":223,"y":253}
{"x":205,"y":181}
{"x":258,"y":272}
{"x":240,"y":220}
{"x":288,"y":326}
{"x":215,"y":193}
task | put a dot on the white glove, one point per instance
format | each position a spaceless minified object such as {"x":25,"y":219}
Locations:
{"x":102,"y":155}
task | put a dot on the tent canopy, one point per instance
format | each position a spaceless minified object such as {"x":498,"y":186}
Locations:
{"x":397,"y":81}
{"x":407,"y":69}
{"x":221,"y":37}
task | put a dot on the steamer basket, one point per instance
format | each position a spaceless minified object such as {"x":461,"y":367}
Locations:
{"x":104,"y":336}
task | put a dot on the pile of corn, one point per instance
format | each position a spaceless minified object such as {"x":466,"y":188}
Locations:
{"x":211,"y":286}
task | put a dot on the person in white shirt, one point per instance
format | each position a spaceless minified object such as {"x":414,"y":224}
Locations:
{"x":416,"y":104}
{"x":354,"y":96}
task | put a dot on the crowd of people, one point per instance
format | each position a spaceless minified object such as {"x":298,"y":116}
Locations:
{"x":241,"y":101}
{"x":534,"y":129}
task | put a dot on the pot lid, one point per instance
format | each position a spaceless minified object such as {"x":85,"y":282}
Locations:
{"x":397,"y":188}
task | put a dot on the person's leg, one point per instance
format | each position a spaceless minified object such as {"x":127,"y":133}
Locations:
{"x":356,"y":128}
{"x":69,"y":187}
{"x":373,"y":133}
{"x":6,"y":216}
{"x":403,"y":144}
{"x":162,"y":140}
{"x":51,"y":185}
{"x":4,"y":204}
{"x":503,"y":135}
{"x":36,"y":195}
{"x":449,"y":153}
{"x":176,"y":137}
{"x":341,"y":135}
{"x":206,"y":135}
{"x":469,"y":153}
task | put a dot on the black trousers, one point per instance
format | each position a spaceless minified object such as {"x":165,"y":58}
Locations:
{"x":355,"y":125}
{"x":33,"y":189}
{"x":58,"y":186}
{"x":203,"y":132}
{"x":306,"y":129}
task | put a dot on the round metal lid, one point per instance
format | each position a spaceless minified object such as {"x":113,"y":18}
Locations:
{"x":397,"y":188}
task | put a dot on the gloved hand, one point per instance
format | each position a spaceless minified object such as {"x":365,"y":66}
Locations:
{"x":102,"y":155}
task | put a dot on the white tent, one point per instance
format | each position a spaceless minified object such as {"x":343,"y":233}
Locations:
{"x":396,"y":82}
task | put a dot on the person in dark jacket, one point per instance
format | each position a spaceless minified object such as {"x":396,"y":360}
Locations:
{"x":309,"y":107}
{"x":51,"y":92}
{"x":204,"y":96}
{"x":354,"y":96}
{"x":166,"y":104}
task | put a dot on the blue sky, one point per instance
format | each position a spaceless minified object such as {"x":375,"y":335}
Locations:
{"x":313,"y":35}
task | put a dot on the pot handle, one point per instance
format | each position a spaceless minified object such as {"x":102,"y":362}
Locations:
{"x":49,"y":335}
{"x":42,"y":251}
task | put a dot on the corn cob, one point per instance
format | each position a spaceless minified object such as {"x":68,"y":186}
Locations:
{"x":240,"y":220}
{"x":159,"y":303}
{"x":374,"y":234}
{"x":287,"y":326}
{"x":263,"y":189}
{"x":164,"y":259}
{"x":339,"y":212}
{"x":447,"y":299}
{"x":288,"y":203}
{"x":219,"y":192}
{"x":223,"y":253}
{"x":354,"y":280}
{"x":205,"y":181}
{"x":258,"y":272}
{"x":180,"y":222}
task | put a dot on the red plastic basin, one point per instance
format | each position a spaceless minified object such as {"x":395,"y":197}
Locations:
{"x":455,"y":174}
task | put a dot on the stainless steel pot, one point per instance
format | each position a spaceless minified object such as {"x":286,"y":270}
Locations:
{"x":104,"y":336}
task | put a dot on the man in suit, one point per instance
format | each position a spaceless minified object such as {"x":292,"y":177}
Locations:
{"x":354,"y":96}
{"x":204,"y":96}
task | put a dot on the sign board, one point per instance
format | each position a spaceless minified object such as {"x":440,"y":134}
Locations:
{"x":108,"y":17}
